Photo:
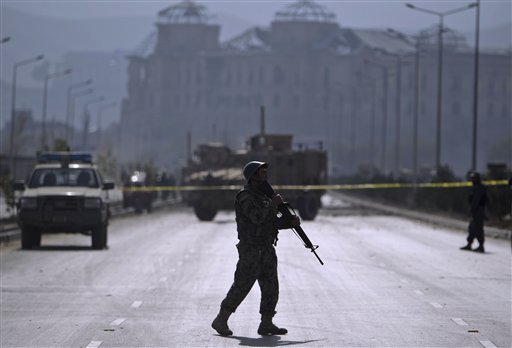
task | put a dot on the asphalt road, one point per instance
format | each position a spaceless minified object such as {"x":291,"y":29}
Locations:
{"x":387,"y":282}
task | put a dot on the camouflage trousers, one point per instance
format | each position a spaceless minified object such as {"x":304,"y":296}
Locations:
{"x":254,"y":263}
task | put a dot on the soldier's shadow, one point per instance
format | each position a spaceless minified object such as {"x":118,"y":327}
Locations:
{"x":267,"y":341}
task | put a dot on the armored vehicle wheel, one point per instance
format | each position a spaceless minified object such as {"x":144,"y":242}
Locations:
{"x":99,"y":237}
{"x":308,"y":207}
{"x":205,"y":212}
{"x":30,"y":237}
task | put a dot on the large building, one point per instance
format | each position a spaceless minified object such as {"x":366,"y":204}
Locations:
{"x":349,"y":89}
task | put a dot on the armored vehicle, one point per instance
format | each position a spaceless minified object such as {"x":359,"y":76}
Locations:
{"x":64,"y":193}
{"x":216,"y":165}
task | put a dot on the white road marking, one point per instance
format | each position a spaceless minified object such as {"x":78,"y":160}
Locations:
{"x":460,"y":322}
{"x":94,"y":344}
{"x":419,"y":292}
{"x":118,"y":322}
{"x":488,"y":344}
{"x":435,"y":304}
{"x":136,"y":304}
{"x":163,"y":279}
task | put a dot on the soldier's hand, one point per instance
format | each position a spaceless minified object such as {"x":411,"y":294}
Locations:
{"x":295,"y":222}
{"x":277,"y":199}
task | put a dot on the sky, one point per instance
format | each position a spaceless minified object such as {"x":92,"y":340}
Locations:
{"x":361,"y":13}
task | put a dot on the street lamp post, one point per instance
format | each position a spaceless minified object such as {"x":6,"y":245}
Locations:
{"x":441,"y":16}
{"x":68,"y":101}
{"x":385,"y":74}
{"x":45,"y":100}
{"x":72,"y":112}
{"x":86,"y":114}
{"x":13,"y":96}
{"x":98,"y":122}
{"x":475,"y":89}
{"x":13,"y":106}
{"x":371,"y":82}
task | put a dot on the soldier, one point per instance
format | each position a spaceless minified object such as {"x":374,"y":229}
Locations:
{"x":477,"y":213}
{"x":257,"y":226}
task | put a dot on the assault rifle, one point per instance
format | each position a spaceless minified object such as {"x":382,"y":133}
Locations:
{"x":288,"y":213}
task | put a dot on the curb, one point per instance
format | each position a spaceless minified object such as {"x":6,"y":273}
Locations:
{"x":442,"y":221}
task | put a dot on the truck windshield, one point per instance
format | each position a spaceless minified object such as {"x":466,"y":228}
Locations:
{"x":47,"y":177}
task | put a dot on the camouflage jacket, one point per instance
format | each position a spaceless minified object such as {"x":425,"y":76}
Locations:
{"x":256,"y":218}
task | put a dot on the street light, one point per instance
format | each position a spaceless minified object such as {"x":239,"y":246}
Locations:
{"x":371,"y":81}
{"x":475,"y":88}
{"x":72,"y":112}
{"x":86,"y":114}
{"x":68,"y":101}
{"x":441,"y":16}
{"x":417,"y":43}
{"x":13,"y":104}
{"x":385,"y":72}
{"x":100,"y":110}
{"x":45,"y":100}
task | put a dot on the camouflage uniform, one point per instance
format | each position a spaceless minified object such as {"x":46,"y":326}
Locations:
{"x":257,"y":225}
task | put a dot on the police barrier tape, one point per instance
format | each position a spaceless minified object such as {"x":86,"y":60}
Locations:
{"x":320,"y":187}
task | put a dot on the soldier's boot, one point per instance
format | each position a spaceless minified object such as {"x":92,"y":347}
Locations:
{"x":267,"y":327}
{"x":466,"y":247}
{"x":220,"y":323}
{"x":480,"y":249}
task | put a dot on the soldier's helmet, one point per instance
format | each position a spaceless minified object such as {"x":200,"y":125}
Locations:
{"x":474,"y":177}
{"x":252,"y":167}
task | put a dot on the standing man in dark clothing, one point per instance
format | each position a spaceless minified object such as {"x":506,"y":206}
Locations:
{"x":477,"y":213}
{"x":257,"y":226}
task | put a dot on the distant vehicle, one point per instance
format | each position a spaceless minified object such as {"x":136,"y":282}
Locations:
{"x":65,"y":193}
{"x":136,"y":195}
{"x":217,"y":165}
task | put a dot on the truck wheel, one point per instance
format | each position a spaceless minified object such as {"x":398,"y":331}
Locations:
{"x":99,"y":237}
{"x":205,"y":212}
{"x":30,"y":237}
{"x":308,"y":208}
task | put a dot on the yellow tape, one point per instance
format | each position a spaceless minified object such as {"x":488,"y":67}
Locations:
{"x":319,"y":187}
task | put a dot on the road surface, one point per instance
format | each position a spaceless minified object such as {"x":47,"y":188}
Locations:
{"x":387,"y":282}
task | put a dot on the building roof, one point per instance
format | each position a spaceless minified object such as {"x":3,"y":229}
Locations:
{"x":146,"y":47}
{"x":305,"y":10}
{"x":377,"y":39}
{"x":253,"y":39}
{"x":185,"y":12}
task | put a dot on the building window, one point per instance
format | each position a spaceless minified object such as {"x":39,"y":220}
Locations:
{"x":456,"y":108}
{"x":326,"y":103}
{"x":504,"y":111}
{"x":250,"y":78}
{"x":455,"y":83}
{"x":296,"y":101}
{"x":490,"y":110}
{"x":327,"y":77}
{"x":239,"y":77}
{"x":227,"y":79}
{"x":278,"y":75}
{"x":187,"y":77}
{"x":261,"y":75}
{"x":276,"y":102}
